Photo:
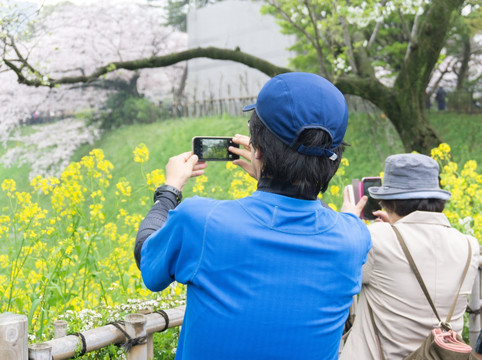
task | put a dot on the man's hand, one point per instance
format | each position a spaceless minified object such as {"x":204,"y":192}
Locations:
{"x":352,"y":208}
{"x":245,"y":153}
{"x":181,"y":168}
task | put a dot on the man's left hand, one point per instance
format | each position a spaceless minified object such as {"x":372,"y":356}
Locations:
{"x":245,"y":153}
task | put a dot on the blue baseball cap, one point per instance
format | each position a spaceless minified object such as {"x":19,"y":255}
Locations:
{"x":292,"y":102}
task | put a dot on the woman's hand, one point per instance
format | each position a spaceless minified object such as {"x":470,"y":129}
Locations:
{"x":382,"y":216}
{"x":244,"y":152}
{"x":347,"y":206}
{"x":182,"y":167}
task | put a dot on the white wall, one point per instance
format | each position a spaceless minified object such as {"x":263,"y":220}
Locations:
{"x":230,"y":24}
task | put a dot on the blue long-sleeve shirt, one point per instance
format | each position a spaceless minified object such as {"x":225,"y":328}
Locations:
{"x":269,"y":276}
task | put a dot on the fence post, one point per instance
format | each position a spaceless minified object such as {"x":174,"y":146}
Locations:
{"x":41,"y":351}
{"x":474,"y":304}
{"x":136,"y":328}
{"x":60,"y":328}
{"x":150,"y":337}
{"x":13,"y":337}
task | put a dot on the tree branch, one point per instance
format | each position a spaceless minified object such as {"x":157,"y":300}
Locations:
{"x":20,"y":58}
{"x":347,"y":40}
{"x":375,"y":30}
{"x":412,"y":42}
{"x":404,"y":24}
{"x":450,"y":65}
{"x":313,"y":41}
{"x":369,"y":88}
{"x":430,"y":31}
{"x":319,"y":49}
{"x":155,"y":62}
{"x":294,"y":24}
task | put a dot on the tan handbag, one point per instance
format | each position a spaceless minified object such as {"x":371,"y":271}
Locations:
{"x":441,"y":343}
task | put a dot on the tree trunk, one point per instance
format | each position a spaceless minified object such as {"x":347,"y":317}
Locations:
{"x":464,"y":64}
{"x":404,"y":107}
{"x":412,"y":125}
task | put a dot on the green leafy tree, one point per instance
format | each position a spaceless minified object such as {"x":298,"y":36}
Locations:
{"x":177,"y":10}
{"x":176,"y":14}
{"x":383,"y":51}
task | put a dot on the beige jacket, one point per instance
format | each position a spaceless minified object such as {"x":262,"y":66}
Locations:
{"x":401,"y":311}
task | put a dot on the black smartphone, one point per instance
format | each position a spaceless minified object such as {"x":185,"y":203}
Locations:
{"x":213,"y":148}
{"x":372,"y":204}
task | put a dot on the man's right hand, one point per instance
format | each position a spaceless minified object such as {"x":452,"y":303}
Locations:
{"x":245,"y":153}
{"x":181,"y":168}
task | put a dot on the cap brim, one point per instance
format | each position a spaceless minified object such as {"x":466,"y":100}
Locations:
{"x":386,"y":193}
{"x":249,"y":107}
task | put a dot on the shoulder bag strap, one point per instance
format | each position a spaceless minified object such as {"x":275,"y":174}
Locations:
{"x":409,"y":257}
{"x":379,"y":344}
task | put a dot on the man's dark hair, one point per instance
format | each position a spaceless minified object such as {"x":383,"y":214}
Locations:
{"x":405,"y":207}
{"x":311,"y":173}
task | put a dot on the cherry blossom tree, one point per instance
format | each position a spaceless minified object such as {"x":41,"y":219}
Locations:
{"x":68,"y":41}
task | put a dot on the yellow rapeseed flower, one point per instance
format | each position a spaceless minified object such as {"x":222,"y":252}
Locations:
{"x":141,"y":153}
{"x":230,"y":166}
{"x":444,"y":148}
{"x":105,"y":166}
{"x":124,"y":187}
{"x":334,"y":190}
{"x":96,"y":211}
{"x":110,"y":230}
{"x":333,"y":206}
{"x":242,"y":185}
{"x":155,"y":178}
{"x":199,"y":185}
{"x":4,"y":261}
{"x":87,"y":162}
{"x":133,"y":220}
{"x":41,"y":184}
{"x":98,"y":154}
{"x":4,"y":224}
{"x":9,"y":185}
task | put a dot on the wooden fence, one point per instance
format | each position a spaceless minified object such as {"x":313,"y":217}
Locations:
{"x":135,"y":333}
{"x":208,"y":107}
{"x":234,"y":106}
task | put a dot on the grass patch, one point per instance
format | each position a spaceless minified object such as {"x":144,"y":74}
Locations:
{"x":462,"y":132}
{"x":371,"y":137}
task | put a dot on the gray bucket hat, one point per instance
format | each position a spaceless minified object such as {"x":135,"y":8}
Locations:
{"x":409,"y":176}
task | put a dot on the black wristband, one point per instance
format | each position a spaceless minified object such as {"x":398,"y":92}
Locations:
{"x":168,"y":188}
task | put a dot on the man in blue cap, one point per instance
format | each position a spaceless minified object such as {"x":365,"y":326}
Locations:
{"x":272,"y":275}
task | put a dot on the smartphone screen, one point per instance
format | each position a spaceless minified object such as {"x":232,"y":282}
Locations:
{"x":213,"y":148}
{"x":372,"y":204}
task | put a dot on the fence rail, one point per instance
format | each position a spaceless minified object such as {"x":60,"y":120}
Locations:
{"x":136,"y":333}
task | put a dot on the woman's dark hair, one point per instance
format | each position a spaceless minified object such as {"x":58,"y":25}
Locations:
{"x":405,"y":207}
{"x":280,"y":162}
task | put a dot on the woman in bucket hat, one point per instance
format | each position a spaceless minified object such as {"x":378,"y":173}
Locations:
{"x":413,"y":203}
